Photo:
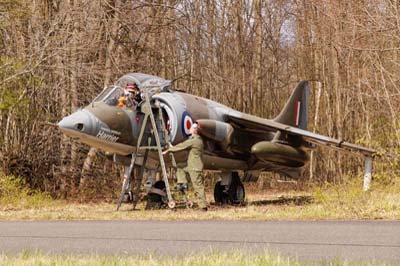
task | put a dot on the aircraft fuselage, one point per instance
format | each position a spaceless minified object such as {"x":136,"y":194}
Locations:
{"x":115,"y":130}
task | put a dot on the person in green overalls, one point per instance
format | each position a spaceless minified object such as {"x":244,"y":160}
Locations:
{"x":194,"y":165}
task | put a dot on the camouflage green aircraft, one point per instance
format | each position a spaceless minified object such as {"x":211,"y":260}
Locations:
{"x":235,"y":142}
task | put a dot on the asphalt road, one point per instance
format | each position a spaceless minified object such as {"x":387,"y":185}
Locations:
{"x":320,"y":240}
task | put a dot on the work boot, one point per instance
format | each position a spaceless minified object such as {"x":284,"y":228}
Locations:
{"x":204,"y":209}
{"x":181,"y":186}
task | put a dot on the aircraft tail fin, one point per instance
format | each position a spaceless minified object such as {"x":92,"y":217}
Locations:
{"x":295,"y":112}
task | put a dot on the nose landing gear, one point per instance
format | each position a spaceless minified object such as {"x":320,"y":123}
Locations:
{"x":157,"y":198}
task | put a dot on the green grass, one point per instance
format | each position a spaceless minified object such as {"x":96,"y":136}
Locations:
{"x":231,"y":258}
{"x":15,"y":193}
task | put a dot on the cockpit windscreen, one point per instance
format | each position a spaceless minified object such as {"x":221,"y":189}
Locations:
{"x":117,"y":96}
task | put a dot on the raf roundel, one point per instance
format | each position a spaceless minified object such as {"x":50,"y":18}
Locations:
{"x":187,"y":122}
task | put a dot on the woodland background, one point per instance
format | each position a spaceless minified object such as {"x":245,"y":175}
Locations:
{"x":56,"y":56}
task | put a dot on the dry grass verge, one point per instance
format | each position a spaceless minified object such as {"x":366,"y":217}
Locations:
{"x":331,"y":203}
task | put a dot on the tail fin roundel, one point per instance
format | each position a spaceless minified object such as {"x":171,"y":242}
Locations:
{"x":295,"y":112}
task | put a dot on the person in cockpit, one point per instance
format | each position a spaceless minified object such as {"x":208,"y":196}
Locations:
{"x":131,"y":96}
{"x":136,"y":91}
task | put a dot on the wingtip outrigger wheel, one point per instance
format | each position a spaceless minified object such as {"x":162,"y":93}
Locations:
{"x":171,"y":204}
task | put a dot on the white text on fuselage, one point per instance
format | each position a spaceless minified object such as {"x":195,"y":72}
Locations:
{"x":107,"y":135}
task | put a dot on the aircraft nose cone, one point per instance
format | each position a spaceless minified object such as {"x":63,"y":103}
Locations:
{"x":78,"y":122}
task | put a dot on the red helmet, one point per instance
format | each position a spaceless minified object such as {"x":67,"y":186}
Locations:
{"x":131,"y":88}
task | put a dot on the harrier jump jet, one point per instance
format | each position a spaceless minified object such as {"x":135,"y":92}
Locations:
{"x":234,"y":141}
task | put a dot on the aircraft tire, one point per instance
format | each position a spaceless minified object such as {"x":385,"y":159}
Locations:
{"x":234,"y":196}
{"x":219,"y":195}
{"x":154,"y":200}
{"x":237,"y":193}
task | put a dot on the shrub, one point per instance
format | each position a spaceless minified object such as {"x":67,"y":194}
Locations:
{"x":15,"y":192}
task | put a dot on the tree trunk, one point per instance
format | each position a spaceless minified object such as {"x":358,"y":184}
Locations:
{"x":90,"y":157}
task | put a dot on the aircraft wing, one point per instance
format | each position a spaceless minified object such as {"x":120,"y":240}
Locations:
{"x":256,"y":124}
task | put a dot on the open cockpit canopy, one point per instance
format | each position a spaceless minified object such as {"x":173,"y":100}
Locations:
{"x":152,"y":84}
{"x":114,"y":95}
{"x":110,"y":95}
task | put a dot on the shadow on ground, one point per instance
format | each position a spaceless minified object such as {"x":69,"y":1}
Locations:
{"x":284,"y":200}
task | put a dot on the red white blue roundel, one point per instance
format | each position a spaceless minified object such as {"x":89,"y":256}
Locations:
{"x":187,"y":122}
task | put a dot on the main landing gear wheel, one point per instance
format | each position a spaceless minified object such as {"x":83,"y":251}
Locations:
{"x":233,"y":194}
{"x":220,"y":197}
{"x":237,"y":193}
